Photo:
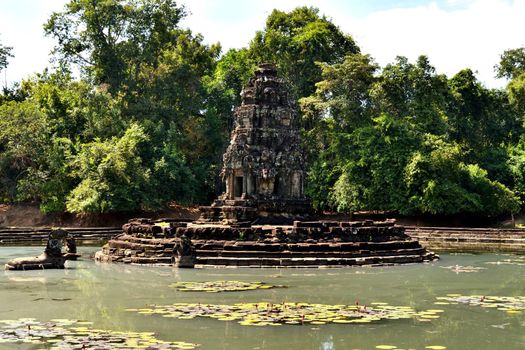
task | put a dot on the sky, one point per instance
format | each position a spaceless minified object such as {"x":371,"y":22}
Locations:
{"x":454,"y":34}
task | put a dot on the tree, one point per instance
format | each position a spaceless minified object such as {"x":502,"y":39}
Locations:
{"x":371,"y":166}
{"x":148,"y":71}
{"x":112,"y":173}
{"x":296,"y":41}
{"x":231,"y":73}
{"x":414,"y":91}
{"x":24,"y":135}
{"x":438,"y":182}
{"x":512,"y":63}
{"x":5,"y":53}
{"x":343,"y":94}
{"x":340,"y":105}
{"x":111,"y":39}
{"x":483,"y":122}
{"x":385,"y":143}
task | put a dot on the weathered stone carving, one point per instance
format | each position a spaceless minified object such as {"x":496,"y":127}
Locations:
{"x":306,"y":243}
{"x":185,"y":254}
{"x":264,"y":164}
{"x":52,"y":257}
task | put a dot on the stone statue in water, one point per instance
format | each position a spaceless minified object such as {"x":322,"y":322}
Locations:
{"x":53,"y":256}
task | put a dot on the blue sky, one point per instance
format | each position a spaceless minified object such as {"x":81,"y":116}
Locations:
{"x":454,"y":33}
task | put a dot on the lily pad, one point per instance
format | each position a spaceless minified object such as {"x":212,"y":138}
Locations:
{"x":263,"y":314}
{"x":69,"y":334}
{"x":221,"y":286}
{"x":511,"y":305}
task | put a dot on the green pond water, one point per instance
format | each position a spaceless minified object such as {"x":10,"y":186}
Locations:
{"x":100,"y":293}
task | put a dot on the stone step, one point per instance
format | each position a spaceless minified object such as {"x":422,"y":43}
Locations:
{"x":114,"y":243}
{"x":307,"y":262}
{"x":151,"y":260}
{"x":305,"y":247}
{"x":315,"y":254}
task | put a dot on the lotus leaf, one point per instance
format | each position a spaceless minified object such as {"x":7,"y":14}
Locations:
{"x":221,"y":286}
{"x":68,"y":334}
{"x":263,"y":314}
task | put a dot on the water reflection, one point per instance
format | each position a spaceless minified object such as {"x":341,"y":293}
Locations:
{"x":327,"y":344}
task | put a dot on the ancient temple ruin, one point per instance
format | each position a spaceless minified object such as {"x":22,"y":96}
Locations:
{"x":264,"y":164}
{"x":259,"y":220}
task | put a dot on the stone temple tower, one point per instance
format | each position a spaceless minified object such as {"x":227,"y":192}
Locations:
{"x":264,"y":164}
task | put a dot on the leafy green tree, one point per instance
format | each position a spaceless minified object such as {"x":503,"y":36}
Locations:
{"x":112,"y":173}
{"x":483,"y":122}
{"x":472,"y":117}
{"x":146,"y":70}
{"x":375,"y":158}
{"x":296,"y":41}
{"x":343,"y":94}
{"x":404,"y":158}
{"x":223,"y":87}
{"x":5,"y":53}
{"x":440,"y":183}
{"x":340,"y":105}
{"x":24,"y":134}
{"x":512,"y":63}
{"x":512,"y":66}
{"x":516,"y":91}
{"x":117,"y":175}
{"x":415,"y":91}
{"x":111,"y":39}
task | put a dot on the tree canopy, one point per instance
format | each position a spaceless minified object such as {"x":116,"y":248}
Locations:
{"x":149,"y":117}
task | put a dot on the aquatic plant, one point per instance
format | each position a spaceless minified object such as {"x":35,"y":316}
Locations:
{"x":267,"y":314}
{"x":72,"y":334}
{"x":221,"y":286}
{"x":512,"y":305}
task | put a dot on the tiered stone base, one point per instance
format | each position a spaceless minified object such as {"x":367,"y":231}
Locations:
{"x":255,"y":211}
{"x":250,"y":254}
{"x":305,"y":244}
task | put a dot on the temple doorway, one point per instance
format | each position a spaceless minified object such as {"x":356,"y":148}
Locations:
{"x":238,"y":187}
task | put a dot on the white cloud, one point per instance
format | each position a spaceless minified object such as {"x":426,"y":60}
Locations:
{"x":474,"y":36}
{"x":466,"y":33}
{"x":21,"y":24}
{"x":455,"y":34}
{"x":234,"y":23}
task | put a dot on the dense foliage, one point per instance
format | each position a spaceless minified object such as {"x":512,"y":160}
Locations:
{"x":148,"y":119}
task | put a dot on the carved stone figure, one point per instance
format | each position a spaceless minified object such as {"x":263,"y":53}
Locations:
{"x":185,"y":254}
{"x":52,"y":257}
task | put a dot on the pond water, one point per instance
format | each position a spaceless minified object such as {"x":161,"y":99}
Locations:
{"x":100,"y":293}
